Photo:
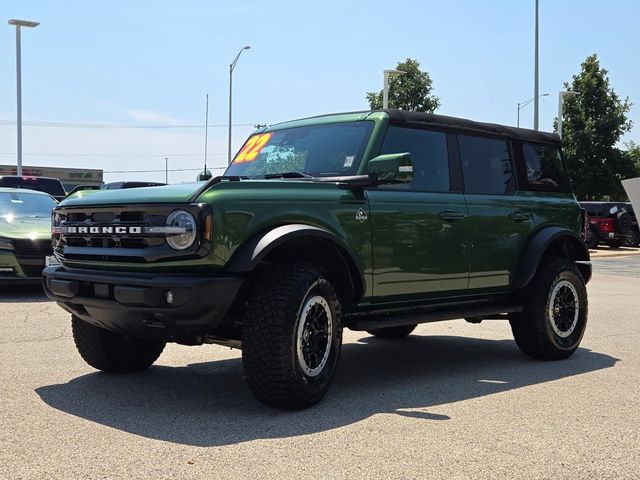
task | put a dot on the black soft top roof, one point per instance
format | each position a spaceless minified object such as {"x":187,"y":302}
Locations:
{"x":443,"y":121}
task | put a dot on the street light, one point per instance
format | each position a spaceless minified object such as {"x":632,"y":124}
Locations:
{"x":536,"y":76}
{"x":18,"y":24}
{"x":561,"y":96}
{"x":525,"y":103}
{"x":231,"y":67}
{"x":385,"y":88}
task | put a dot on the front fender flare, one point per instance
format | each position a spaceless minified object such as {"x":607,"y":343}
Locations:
{"x":251,"y":253}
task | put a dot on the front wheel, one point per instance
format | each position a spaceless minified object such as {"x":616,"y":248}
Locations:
{"x":554,"y":315}
{"x":111,"y":352}
{"x":291,"y":336}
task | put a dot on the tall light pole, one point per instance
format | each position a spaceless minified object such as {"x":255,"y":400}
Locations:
{"x":18,"y":24}
{"x":535,"y":80}
{"x":231,"y":67}
{"x":385,"y":86}
{"x":561,"y":96}
{"x":521,"y":105}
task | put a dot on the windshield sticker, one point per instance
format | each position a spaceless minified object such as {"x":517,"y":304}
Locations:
{"x":252,"y":148}
{"x":348,"y":160}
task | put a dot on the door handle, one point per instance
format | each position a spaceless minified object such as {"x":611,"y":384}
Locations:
{"x":451,"y":215}
{"x":519,"y":216}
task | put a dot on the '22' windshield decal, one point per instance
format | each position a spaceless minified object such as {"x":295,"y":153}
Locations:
{"x":252,"y":148}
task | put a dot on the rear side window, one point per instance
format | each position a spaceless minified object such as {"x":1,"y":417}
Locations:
{"x":428,"y":153}
{"x":486,"y":165}
{"x":543,"y":167}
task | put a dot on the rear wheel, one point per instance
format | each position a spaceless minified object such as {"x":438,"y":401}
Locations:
{"x":393,"y":332}
{"x":291,"y":336}
{"x":554,"y":315}
{"x":632,"y":239}
{"x":111,"y":352}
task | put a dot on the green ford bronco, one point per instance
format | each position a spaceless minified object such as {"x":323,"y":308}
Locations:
{"x":374,"y":221}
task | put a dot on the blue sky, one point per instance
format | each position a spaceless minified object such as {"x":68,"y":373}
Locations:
{"x":152,"y":62}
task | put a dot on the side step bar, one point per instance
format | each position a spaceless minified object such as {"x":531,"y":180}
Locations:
{"x":484,"y":311}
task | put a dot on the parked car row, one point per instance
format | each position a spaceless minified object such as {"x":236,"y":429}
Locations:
{"x":612,"y":223}
{"x":25,"y":223}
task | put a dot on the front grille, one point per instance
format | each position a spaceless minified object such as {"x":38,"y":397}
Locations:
{"x":40,"y":248}
{"x":96,"y":234}
{"x":30,"y":255}
{"x":32,"y":269}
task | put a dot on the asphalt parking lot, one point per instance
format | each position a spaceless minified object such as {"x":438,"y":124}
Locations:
{"x":455,"y":400}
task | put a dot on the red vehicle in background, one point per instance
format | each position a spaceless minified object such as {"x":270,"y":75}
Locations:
{"x":613,"y":223}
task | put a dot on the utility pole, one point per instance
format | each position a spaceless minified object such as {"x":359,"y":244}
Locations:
{"x":206,"y":134}
{"x":18,"y":24}
{"x":166,"y":169}
{"x":536,"y":76}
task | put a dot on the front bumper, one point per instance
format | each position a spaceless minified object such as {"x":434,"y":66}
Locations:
{"x":137,"y":304}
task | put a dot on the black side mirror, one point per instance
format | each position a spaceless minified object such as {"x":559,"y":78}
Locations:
{"x":391,"y":168}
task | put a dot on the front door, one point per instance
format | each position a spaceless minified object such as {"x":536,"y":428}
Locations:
{"x":419,"y":230}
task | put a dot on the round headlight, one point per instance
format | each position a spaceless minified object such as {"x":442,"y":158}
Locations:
{"x":184,"y":222}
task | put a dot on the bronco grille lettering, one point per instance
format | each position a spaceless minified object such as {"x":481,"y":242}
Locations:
{"x":120,"y":230}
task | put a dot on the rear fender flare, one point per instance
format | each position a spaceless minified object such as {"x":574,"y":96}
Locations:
{"x":567,"y":240}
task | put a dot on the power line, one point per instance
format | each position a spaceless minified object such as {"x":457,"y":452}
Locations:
{"x":113,"y":154}
{"x":163,"y":170}
{"x":117,"y":125}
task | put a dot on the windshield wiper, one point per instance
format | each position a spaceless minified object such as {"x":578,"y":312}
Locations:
{"x":288,"y":175}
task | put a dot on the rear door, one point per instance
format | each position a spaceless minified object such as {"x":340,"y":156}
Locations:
{"x":500,"y":218}
{"x":419,"y":231}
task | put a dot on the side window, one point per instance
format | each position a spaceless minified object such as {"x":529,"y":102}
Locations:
{"x":429,"y":155}
{"x":543,"y":166}
{"x":486,"y":165}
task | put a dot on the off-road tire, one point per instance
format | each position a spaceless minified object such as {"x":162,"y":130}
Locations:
{"x":593,"y":238}
{"x":110,"y":352}
{"x":614,"y":243}
{"x":632,"y":239}
{"x":532,"y":328}
{"x":271,"y":335}
{"x":393,"y":333}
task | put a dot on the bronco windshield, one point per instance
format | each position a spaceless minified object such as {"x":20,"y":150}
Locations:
{"x":319,"y":150}
{"x":16,"y":205}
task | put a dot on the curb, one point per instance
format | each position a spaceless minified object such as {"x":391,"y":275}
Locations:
{"x":627,"y":252}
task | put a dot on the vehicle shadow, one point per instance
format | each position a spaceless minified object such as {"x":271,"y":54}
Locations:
{"x":28,"y":293}
{"x":209,"y":404}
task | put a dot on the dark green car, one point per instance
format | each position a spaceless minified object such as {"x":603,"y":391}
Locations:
{"x":373,"y":221}
{"x":25,"y":234}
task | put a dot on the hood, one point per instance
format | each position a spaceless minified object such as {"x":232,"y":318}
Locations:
{"x":26,"y":227}
{"x":179,"y":193}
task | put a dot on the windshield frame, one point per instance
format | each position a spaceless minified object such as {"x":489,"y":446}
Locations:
{"x":354,"y":168}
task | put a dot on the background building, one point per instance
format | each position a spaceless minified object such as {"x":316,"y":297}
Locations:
{"x":70,"y":177}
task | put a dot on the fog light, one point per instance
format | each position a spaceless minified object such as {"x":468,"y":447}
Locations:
{"x":168,"y":297}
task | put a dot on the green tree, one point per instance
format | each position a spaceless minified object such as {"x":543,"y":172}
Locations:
{"x":594,"y":122}
{"x":411,"y":91}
